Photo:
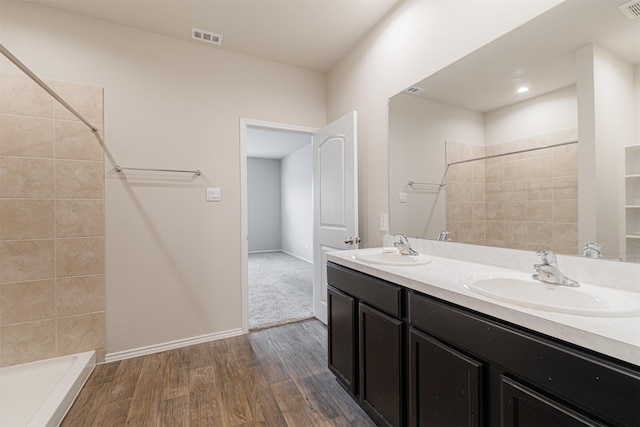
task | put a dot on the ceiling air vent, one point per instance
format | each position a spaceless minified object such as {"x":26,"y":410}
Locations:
{"x":206,"y":36}
{"x":631,"y":10}
{"x":415,"y":90}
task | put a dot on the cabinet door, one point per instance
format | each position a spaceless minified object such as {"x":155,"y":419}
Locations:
{"x":342,"y":329}
{"x":381,"y":365}
{"x":523,"y":407}
{"x":444,"y":384}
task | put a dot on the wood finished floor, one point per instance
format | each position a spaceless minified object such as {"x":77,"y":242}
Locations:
{"x":271,"y":377}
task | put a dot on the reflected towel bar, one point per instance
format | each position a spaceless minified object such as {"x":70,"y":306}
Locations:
{"x":412,"y":183}
{"x":197,"y":172}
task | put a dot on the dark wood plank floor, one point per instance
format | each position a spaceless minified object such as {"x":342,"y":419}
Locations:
{"x":271,"y":377}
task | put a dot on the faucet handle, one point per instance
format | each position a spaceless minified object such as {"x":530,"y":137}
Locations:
{"x":547,"y":257}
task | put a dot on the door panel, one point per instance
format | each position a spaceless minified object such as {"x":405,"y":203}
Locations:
{"x":335,"y":196}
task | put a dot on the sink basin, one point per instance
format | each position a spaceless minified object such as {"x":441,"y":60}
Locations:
{"x":586,"y":300}
{"x":393,"y":258}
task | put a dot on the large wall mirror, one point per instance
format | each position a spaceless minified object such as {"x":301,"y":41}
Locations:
{"x":531,"y":142}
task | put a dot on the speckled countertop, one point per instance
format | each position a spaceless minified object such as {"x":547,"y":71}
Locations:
{"x":617,"y":337}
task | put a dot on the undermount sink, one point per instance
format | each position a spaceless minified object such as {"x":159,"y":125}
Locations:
{"x":586,"y":300}
{"x":393,"y":258}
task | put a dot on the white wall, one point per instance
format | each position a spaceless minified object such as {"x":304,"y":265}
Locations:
{"x":263,"y":204}
{"x":173,"y":261}
{"x":297,"y":203}
{"x":418,"y":38}
{"x":606,"y":126}
{"x":418,"y":129}
{"x":543,"y":114}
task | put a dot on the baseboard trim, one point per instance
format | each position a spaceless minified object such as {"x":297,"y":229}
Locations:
{"x":296,"y":256}
{"x":157,"y":348}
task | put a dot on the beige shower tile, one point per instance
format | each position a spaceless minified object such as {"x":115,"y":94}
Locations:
{"x":459,"y":211}
{"x":515,"y":190}
{"x":26,"y":178}
{"x":565,"y":163}
{"x":455,"y":173}
{"x":516,"y":244}
{"x":515,"y":170}
{"x":540,"y":189}
{"x":459,"y":192}
{"x":21,"y":95}
{"x":478,"y":171}
{"x":539,"y":211}
{"x":75,"y":141}
{"x":494,"y":230}
{"x":79,"y":179}
{"x":540,"y":233}
{"x":26,"y":342}
{"x":539,"y":167}
{"x":477,"y":192}
{"x":26,"y":136}
{"x":565,"y":211}
{"x":80,"y":295}
{"x":515,"y":231}
{"x":27,"y":301}
{"x":79,"y":218}
{"x":22,"y":260}
{"x":81,"y":333}
{"x":78,"y":257}
{"x":566,"y":249}
{"x":494,"y":191}
{"x":86,"y":100}
{"x":494,"y":149}
{"x":478,"y":231}
{"x":517,"y":145}
{"x":494,"y":172}
{"x":26,"y":219}
{"x":494,"y":211}
{"x":566,"y":234}
{"x":515,"y":210}
{"x":565,"y":187}
{"x":478,"y":211}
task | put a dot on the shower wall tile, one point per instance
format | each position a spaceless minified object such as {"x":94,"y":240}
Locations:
{"x":86,"y":100}
{"x":79,"y":179}
{"x":539,"y":167}
{"x":26,"y":219}
{"x":20,"y":95}
{"x":77,"y":257}
{"x":565,"y":211}
{"x":27,"y":301}
{"x":26,"y":178}
{"x":539,"y":211}
{"x":80,"y":333}
{"x":26,"y":342}
{"x":540,"y":189}
{"x":51,"y":221}
{"x":80,"y":295}
{"x":565,"y":187}
{"x":22,"y":260}
{"x":79,"y":218}
{"x":75,"y":143}
{"x":515,"y":210}
{"x":26,"y":136}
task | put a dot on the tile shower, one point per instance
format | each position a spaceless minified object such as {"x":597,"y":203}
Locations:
{"x":522,"y":201}
{"x":52,"y":293}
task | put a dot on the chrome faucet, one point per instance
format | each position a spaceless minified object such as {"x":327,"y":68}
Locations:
{"x":592,"y":250}
{"x":444,"y":236}
{"x":403,"y":245}
{"x":547,"y":271}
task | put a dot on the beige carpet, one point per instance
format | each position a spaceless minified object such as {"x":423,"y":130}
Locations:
{"x":280,"y":289}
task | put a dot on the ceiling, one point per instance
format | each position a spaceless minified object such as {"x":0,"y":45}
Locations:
{"x":273,"y":143}
{"x":312,"y":34}
{"x":540,"y":54}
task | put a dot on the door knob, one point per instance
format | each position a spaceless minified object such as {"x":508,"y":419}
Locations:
{"x":351,"y":240}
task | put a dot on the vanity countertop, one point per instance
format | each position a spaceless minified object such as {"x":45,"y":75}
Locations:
{"x":617,"y":337}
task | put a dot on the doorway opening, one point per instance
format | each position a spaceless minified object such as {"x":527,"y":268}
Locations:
{"x":278,"y":251}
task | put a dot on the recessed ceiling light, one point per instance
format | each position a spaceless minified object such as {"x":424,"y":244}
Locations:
{"x":523,"y":89}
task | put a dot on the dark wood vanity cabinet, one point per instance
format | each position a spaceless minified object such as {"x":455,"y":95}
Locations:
{"x":412,"y":359}
{"x":366,"y":342}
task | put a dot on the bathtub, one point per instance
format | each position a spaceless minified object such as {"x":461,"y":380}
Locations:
{"x":39,"y":394}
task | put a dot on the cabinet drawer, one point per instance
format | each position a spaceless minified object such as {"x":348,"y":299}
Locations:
{"x":378,"y":293}
{"x":578,"y":377}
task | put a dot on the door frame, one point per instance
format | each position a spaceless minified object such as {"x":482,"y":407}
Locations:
{"x":244,"y":213}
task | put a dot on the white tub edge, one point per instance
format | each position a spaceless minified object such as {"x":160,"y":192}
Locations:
{"x":52,"y":412}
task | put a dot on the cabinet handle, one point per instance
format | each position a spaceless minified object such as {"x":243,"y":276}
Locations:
{"x":351,"y":240}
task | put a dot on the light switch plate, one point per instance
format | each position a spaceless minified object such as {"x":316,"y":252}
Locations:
{"x":402,"y":197}
{"x":214,"y":194}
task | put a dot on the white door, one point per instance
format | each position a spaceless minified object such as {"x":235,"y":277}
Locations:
{"x":335,"y":196}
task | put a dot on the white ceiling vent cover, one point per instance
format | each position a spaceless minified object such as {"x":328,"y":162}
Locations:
{"x":206,"y":36}
{"x":415,"y":90}
{"x":631,"y":10}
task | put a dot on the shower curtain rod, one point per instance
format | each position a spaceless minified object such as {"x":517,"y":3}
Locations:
{"x":44,"y":86}
{"x":526,"y":150}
